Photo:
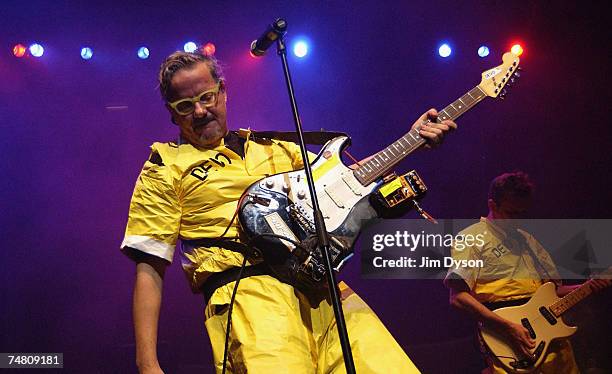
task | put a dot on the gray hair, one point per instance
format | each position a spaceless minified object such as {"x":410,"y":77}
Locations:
{"x":185,"y":60}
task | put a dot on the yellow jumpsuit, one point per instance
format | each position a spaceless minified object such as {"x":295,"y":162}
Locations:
{"x":188,"y":193}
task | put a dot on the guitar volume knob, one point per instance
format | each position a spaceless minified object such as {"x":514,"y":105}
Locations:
{"x":269,"y":183}
{"x":301,"y":194}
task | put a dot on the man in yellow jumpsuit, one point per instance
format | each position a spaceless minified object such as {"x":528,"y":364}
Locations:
{"x":189,"y":190}
{"x":515,"y":266}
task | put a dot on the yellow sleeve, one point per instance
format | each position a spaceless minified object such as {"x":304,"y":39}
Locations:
{"x":154,"y":216}
{"x":459,"y":252}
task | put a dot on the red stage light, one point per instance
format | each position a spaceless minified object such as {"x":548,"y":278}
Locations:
{"x":517,"y":49}
{"x":19,"y":50}
{"x":209,"y":49}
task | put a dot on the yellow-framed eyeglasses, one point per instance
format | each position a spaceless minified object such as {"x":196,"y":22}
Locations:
{"x":187,"y":106}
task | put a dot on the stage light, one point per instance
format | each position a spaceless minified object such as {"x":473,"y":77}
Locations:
{"x":517,"y":49}
{"x":19,"y":50}
{"x":209,"y":49}
{"x":190,"y":47}
{"x":483,"y":51}
{"x":445,"y":50}
{"x":86,"y":53}
{"x":36,"y":50}
{"x":143,"y":53}
{"x":300,"y":49}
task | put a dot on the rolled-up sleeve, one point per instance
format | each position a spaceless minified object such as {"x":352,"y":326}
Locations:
{"x":154,"y":216}
{"x":468,"y":274}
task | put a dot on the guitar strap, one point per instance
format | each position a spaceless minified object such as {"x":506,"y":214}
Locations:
{"x":544,"y":273}
{"x":217,"y":280}
{"x":232,"y":245}
{"x":310,"y":137}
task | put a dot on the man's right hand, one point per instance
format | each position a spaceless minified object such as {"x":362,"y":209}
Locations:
{"x":519,"y":337}
{"x":151,"y":370}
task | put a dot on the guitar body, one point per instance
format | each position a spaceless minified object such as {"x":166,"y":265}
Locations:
{"x":281,"y":205}
{"x":536,"y":314}
{"x":276,"y":212}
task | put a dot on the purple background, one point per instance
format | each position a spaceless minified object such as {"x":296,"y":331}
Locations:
{"x":69,"y":162}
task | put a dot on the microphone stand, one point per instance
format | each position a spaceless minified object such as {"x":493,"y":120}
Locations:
{"x":323,"y":239}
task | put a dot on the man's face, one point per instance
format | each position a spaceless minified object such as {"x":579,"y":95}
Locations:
{"x":205,"y":127}
{"x":510,"y":208}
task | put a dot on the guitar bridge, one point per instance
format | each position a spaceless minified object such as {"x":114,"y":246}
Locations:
{"x":298,"y":213}
{"x":527,"y":363}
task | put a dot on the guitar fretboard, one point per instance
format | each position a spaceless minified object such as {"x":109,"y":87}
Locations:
{"x":384,"y":160}
{"x":568,"y":301}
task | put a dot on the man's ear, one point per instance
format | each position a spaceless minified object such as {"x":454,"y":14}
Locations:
{"x":492,"y":206}
{"x":223,"y":89}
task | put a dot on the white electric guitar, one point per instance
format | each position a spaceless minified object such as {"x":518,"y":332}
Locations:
{"x":541,"y":316}
{"x":276,"y":212}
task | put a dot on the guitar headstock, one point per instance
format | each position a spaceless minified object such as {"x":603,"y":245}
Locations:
{"x":494,"y":80}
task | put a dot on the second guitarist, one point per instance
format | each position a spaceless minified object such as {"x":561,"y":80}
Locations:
{"x":515,"y":266}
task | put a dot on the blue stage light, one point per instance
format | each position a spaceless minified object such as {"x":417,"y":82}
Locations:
{"x":36,"y":50}
{"x":190,"y":47}
{"x":300,"y":49}
{"x":445,"y":50}
{"x":86,"y":53}
{"x":483,"y":51}
{"x":143,"y":53}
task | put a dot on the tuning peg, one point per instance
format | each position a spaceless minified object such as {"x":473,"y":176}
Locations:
{"x":511,"y":81}
{"x":517,"y":74}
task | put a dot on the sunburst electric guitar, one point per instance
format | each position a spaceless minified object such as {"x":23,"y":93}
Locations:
{"x":541,"y":316}
{"x":276,"y":212}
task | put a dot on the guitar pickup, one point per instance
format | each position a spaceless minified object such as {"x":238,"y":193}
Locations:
{"x":538,"y":351}
{"x":527,"y":325}
{"x":548,"y":315}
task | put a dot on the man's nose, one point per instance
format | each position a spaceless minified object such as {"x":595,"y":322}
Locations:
{"x":199,"y":110}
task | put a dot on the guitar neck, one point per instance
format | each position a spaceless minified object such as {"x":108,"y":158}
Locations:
{"x":571,"y":299}
{"x":383,"y":161}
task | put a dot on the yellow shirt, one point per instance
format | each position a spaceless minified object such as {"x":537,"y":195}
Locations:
{"x":509,"y":271}
{"x":185,"y":192}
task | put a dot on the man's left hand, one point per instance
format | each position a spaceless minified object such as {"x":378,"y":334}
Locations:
{"x":599,"y":284}
{"x":432,"y":131}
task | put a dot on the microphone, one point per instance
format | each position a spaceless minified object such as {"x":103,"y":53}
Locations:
{"x":275,"y":30}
